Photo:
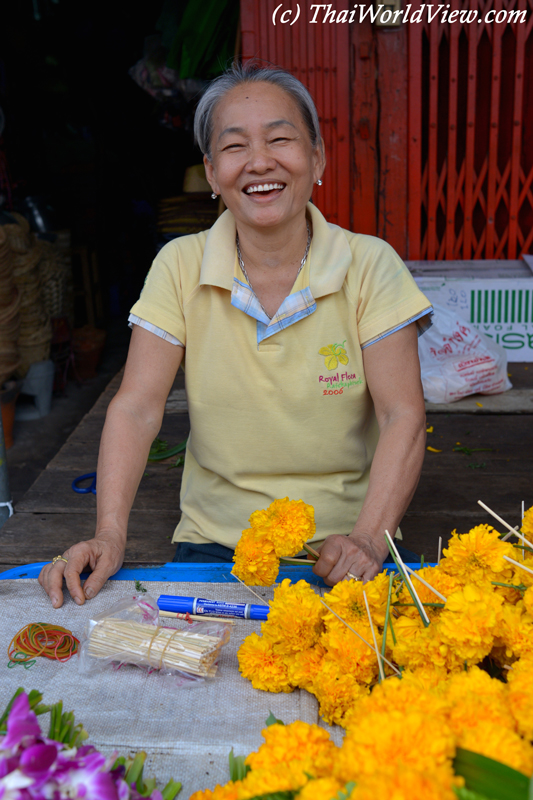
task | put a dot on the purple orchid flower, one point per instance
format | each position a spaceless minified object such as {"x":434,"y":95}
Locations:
{"x":21,"y":724}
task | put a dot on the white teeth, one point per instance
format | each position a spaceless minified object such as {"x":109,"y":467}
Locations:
{"x":264,"y":187}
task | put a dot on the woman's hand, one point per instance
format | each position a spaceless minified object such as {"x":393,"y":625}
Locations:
{"x":103,"y":554}
{"x":360,"y":554}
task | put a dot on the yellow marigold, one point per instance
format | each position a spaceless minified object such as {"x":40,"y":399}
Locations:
{"x":418,"y":647}
{"x":295,"y":618}
{"x":429,"y":678}
{"x":440,"y":580}
{"x":287,"y":523}
{"x":302,"y":667}
{"x":265,"y":781}
{"x":499,"y":743}
{"x":230,"y":791}
{"x":521,"y":575}
{"x":321,"y":789}
{"x":401,"y":695}
{"x":337,"y":692}
{"x":515,"y":635}
{"x":308,"y":745}
{"x":527,"y":523}
{"x":411,"y":739}
{"x":352,"y":655}
{"x":474,"y":696}
{"x":520,"y":695}
{"x":346,"y":599}
{"x":477,"y":556}
{"x":528,"y":600}
{"x":406,"y":783}
{"x":262,"y":666}
{"x":470,"y":621}
{"x":256,"y":562}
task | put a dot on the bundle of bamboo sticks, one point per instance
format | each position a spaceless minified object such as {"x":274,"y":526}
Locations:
{"x":156,"y":647}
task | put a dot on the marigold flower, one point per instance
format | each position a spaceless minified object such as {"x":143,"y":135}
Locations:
{"x":288,"y":524}
{"x":295,"y":618}
{"x":411,"y":739}
{"x":336,"y":691}
{"x":406,"y":783}
{"x":262,"y":666}
{"x":308,"y":745}
{"x":440,"y":580}
{"x":302,"y":668}
{"x":285,"y":777}
{"x":320,"y":789}
{"x":470,"y":621}
{"x":402,"y":696}
{"x":352,"y":656}
{"x":346,"y":599}
{"x":474,"y":696}
{"x":477,"y":556}
{"x":527,"y":523}
{"x":501,"y":744}
{"x":520,"y":695}
{"x":256,"y":562}
{"x":230,"y":791}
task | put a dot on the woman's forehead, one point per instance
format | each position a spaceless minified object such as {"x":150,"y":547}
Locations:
{"x":260,"y":103}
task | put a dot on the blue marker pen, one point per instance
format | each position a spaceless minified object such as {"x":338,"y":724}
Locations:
{"x":215,"y":608}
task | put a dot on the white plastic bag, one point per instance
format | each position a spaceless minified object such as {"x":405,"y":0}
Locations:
{"x":456,"y":360}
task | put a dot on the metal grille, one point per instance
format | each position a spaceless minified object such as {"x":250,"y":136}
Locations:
{"x":471,"y":135}
{"x":318,"y":55}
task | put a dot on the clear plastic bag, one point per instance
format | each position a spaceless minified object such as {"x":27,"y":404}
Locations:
{"x":456,"y":360}
{"x":130,"y":633}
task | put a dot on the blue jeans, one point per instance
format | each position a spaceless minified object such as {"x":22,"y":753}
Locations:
{"x":218,"y":554}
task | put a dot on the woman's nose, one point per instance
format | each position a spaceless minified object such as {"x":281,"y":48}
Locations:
{"x":259,"y":159}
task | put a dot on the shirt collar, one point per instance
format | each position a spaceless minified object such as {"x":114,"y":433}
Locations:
{"x":329,"y":257}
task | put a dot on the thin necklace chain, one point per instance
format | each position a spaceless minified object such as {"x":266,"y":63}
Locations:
{"x":243,"y":269}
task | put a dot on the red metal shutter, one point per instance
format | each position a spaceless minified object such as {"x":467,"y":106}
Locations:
{"x":318,"y":55}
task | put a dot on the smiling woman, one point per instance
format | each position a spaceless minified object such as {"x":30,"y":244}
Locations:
{"x":302,"y":371}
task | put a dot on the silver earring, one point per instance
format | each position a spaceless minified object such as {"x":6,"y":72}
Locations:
{"x":214,"y":196}
{"x":319,"y":182}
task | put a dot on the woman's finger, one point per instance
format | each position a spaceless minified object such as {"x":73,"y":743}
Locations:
{"x":51,"y":579}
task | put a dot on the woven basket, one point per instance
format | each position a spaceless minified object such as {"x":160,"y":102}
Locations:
{"x":28,"y":356}
{"x":18,"y":233}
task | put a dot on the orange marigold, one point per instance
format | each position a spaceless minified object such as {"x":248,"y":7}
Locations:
{"x":501,"y":744}
{"x":406,"y":783}
{"x":527,"y":523}
{"x":262,"y":666}
{"x":295,"y":618}
{"x":308,"y":745}
{"x":477,"y":556}
{"x":288,"y":524}
{"x":411,"y":739}
{"x":256,"y":562}
{"x":473,"y":696}
{"x":337,"y":692}
{"x":520,"y":695}
{"x":353,"y":656}
{"x":346,"y":599}
{"x":470,"y":621}
{"x":321,"y":789}
{"x":230,"y":791}
{"x":302,"y":667}
{"x":266,"y":781}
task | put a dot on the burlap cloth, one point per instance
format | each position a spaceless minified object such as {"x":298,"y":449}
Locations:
{"x":187,"y":733}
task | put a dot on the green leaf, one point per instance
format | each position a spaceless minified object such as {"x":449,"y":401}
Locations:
{"x":467,"y":794}
{"x":491,"y":778}
{"x":271,"y":720}
{"x":171,"y":790}
{"x":164,"y":452}
{"x":237,"y":768}
{"x":345,"y":793}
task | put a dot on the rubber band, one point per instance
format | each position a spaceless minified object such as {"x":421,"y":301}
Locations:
{"x":165,"y":647}
{"x":151,"y":643}
{"x":39,"y":639}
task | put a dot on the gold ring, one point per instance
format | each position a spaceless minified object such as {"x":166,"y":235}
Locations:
{"x":59,"y":558}
{"x":353,"y":577}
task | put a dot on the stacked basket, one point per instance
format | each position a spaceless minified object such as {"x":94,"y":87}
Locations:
{"x":9,"y":312}
{"x":35,"y":331}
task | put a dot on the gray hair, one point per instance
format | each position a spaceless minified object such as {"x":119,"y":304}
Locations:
{"x":251,"y":72}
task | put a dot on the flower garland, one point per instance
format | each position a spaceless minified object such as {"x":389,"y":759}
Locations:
{"x":465,"y":682}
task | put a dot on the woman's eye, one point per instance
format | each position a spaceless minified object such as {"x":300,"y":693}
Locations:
{"x":280,"y":139}
{"x":233,"y":146}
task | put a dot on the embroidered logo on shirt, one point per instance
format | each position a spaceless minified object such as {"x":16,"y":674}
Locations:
{"x":333,"y":354}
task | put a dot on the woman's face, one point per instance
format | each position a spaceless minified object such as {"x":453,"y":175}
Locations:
{"x":263,"y":163}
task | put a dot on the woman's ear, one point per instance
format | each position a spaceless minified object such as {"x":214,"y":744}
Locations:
{"x":320,"y":160}
{"x":210,"y":175}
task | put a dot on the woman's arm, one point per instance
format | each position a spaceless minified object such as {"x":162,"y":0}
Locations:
{"x":132,"y":422}
{"x":392,"y":371}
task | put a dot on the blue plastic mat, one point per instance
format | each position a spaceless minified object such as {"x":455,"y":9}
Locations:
{"x":195,"y":573}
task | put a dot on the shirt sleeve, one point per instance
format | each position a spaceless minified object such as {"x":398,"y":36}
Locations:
{"x":161,"y":300}
{"x":142,"y":323}
{"x":385,"y":292}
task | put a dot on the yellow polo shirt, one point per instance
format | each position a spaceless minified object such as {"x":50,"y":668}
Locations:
{"x":277,"y":407}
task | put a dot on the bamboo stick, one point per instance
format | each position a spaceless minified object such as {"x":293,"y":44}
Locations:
{"x":518,"y":564}
{"x":506,"y":524}
{"x":380,"y":665}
